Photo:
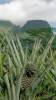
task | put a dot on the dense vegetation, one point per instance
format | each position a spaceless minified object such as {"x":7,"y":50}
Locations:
{"x":15,"y":58}
{"x":27,"y":61}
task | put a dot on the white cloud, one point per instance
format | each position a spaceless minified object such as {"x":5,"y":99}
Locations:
{"x":13,"y":12}
{"x":21,"y":10}
{"x":40,"y":10}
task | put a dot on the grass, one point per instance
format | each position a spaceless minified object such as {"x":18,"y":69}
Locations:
{"x":16,"y":59}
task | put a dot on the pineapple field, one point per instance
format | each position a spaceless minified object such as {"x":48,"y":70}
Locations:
{"x":27,"y":71}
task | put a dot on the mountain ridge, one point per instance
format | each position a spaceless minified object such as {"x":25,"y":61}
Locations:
{"x":32,"y":28}
{"x":28,"y":24}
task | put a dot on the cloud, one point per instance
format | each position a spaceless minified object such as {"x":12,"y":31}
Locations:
{"x":18,"y":11}
{"x":13,"y":12}
{"x":48,"y":0}
{"x":38,"y":9}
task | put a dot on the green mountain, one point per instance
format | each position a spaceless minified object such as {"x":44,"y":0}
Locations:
{"x":30,"y":25}
{"x":32,"y":29}
{"x":36,"y":24}
{"x":6,"y":24}
{"x":36,"y":29}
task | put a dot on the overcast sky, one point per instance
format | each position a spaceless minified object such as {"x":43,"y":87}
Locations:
{"x":18,"y":11}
